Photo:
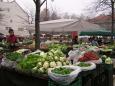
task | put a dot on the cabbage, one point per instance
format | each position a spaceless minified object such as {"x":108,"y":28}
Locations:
{"x":52,"y":64}
{"x":64,"y":63}
{"x":62,"y":59}
{"x":41,"y":70}
{"x":56,"y":58}
{"x":39,"y":64}
{"x":46,"y":65}
{"x":43,"y":54}
{"x":50,"y":53}
{"x":108,"y":61}
{"x":67,"y":62}
{"x":34,"y":69}
{"x":59,"y":63}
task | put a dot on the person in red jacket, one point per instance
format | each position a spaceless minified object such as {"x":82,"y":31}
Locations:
{"x":12,"y":40}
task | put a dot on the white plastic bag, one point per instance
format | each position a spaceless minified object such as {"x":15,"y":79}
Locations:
{"x":99,"y":61}
{"x":64,"y":79}
{"x":73,"y":54}
{"x":8,"y":63}
{"x":93,"y":66}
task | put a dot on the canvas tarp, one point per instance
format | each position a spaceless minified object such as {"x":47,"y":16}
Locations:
{"x":97,"y":33}
{"x":66,"y":25}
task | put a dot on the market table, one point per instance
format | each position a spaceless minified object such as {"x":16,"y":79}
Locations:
{"x":101,"y":76}
{"x":12,"y":77}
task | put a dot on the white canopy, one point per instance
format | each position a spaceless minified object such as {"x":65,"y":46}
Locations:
{"x":66,"y":25}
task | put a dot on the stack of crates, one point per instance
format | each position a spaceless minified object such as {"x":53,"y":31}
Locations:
{"x":77,"y":82}
{"x":109,"y":74}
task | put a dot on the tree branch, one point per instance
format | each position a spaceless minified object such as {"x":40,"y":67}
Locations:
{"x":42,"y":3}
{"x":34,"y":1}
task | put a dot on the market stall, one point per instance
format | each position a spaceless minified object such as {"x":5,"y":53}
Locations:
{"x":61,"y":65}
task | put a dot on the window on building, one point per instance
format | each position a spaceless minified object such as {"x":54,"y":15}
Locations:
{"x":8,"y":9}
{"x":7,"y":28}
{"x":20,"y":29}
{"x":11,"y":20}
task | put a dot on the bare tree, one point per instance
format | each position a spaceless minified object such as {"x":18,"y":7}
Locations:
{"x":66,"y":16}
{"x":74,"y":16}
{"x":100,"y":5}
{"x":44,"y":16}
{"x":51,"y":15}
{"x":37,"y":26}
{"x":106,"y":5}
{"x":54,"y":15}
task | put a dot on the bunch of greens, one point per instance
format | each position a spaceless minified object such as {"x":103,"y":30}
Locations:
{"x":14,"y":56}
{"x":29,"y":62}
{"x":83,"y":64}
{"x":62,"y":71}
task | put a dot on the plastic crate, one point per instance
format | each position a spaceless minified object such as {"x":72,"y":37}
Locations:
{"x":77,"y":82}
{"x":108,"y":67}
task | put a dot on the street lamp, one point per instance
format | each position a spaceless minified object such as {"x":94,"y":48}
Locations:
{"x":112,"y":20}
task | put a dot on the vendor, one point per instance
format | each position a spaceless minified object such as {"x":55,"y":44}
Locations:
{"x":11,"y":40}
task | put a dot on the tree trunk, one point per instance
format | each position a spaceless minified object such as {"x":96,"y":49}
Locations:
{"x":112,"y":21}
{"x":37,"y":26}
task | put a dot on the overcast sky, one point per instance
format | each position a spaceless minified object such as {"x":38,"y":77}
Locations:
{"x":71,"y":6}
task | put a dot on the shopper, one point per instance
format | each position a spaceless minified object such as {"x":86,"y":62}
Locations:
{"x":12,"y":40}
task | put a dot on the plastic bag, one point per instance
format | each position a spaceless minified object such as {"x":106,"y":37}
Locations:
{"x":64,"y":79}
{"x":99,"y":61}
{"x":8,"y":63}
{"x":91,"y":67}
{"x":73,"y":54}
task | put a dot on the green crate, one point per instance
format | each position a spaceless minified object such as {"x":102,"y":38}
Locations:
{"x":108,"y":67}
{"x":77,"y":82}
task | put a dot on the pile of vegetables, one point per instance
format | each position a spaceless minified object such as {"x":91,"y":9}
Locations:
{"x":90,"y":55}
{"x":14,"y":56}
{"x":42,"y":61}
{"x":106,"y":59}
{"x":62,"y":47}
{"x":62,"y":71}
{"x":28,"y":63}
{"x":83,"y":64}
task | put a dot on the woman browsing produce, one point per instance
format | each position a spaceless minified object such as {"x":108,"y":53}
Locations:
{"x":12,"y":40}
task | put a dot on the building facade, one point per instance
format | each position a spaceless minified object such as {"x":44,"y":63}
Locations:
{"x":13,"y":16}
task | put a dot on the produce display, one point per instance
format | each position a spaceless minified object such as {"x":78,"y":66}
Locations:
{"x":90,"y":55}
{"x":3,"y":44}
{"x":28,"y":63}
{"x":62,"y":71}
{"x":23,"y":51}
{"x":83,"y":64}
{"x":14,"y":56}
{"x":42,"y":61}
{"x":62,"y":47}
